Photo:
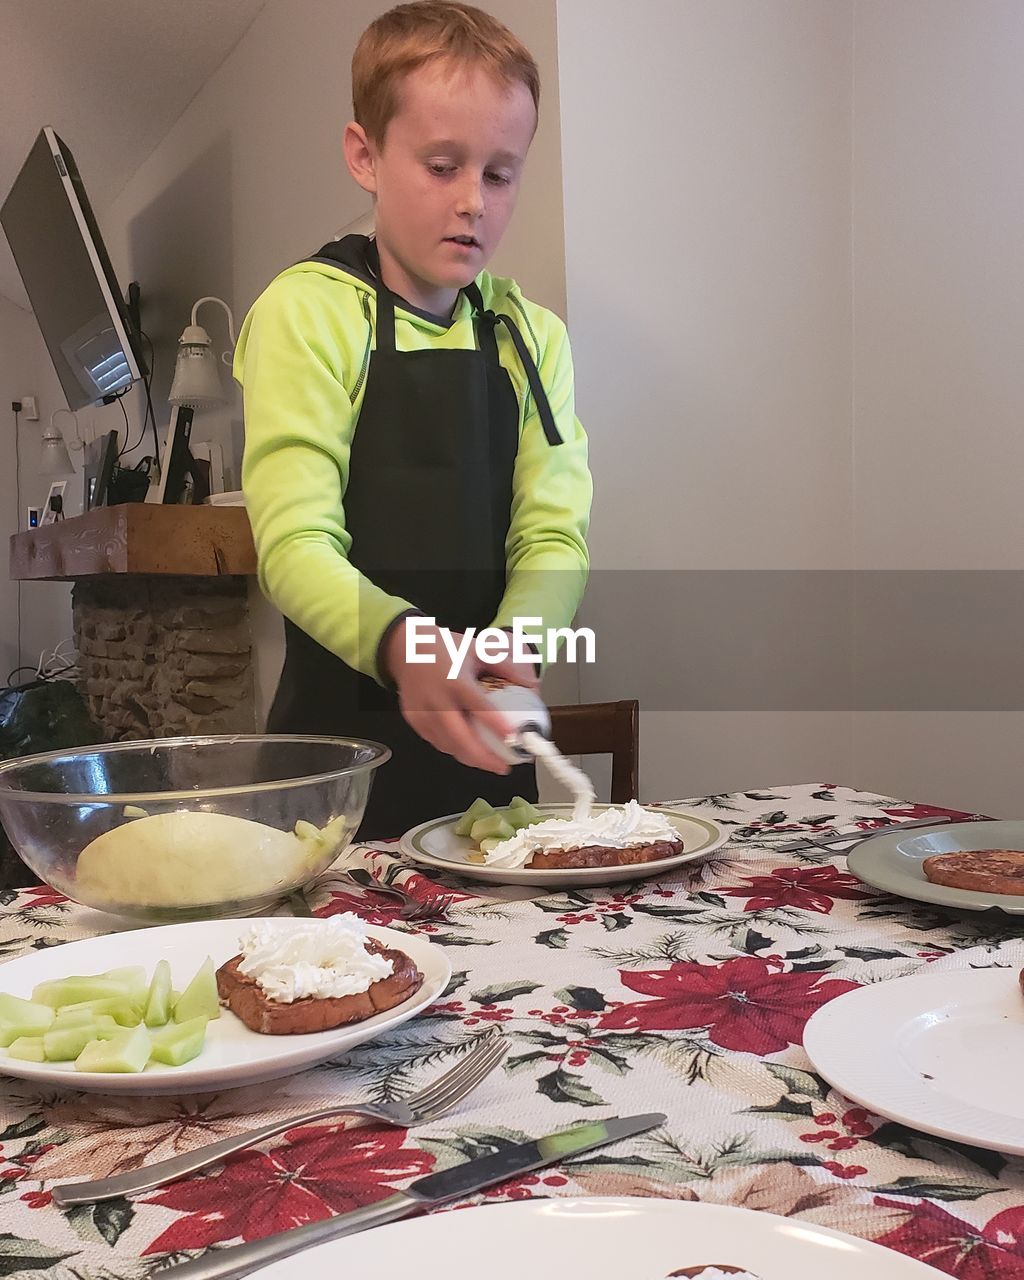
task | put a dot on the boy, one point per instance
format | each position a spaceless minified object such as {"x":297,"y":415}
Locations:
{"x":411,"y":442}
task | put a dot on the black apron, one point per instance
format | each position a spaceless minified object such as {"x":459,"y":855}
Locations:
{"x":428,"y":507}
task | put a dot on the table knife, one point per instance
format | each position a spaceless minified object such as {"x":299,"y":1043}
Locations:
{"x":425,"y":1193}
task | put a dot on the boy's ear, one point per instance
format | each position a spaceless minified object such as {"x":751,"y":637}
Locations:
{"x":359,"y":156}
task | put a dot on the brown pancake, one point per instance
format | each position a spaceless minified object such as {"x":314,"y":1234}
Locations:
{"x":984,"y":870}
{"x":247,"y":999}
{"x":594,"y":855}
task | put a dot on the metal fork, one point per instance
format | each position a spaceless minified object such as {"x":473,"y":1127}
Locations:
{"x":412,"y":908}
{"x":430,"y":1103}
{"x":860,"y":835}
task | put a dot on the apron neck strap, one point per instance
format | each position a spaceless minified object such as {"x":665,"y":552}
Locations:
{"x":485,"y":322}
{"x":488,"y":322}
{"x":385,"y":302}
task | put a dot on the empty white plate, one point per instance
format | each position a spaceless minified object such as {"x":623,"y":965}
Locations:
{"x":601,"y":1239}
{"x":938,"y":1051}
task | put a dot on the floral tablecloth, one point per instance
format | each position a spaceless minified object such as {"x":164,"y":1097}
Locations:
{"x":686,"y":995}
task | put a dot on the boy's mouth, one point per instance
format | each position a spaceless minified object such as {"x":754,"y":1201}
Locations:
{"x":469,"y":242}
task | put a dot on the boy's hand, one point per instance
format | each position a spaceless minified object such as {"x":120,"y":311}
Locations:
{"x":441,"y":710}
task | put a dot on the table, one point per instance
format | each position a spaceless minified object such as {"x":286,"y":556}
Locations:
{"x":686,"y":995}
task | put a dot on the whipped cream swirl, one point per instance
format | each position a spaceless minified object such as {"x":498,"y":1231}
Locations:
{"x":565,"y":771}
{"x":319,"y":958}
{"x":612,"y":828}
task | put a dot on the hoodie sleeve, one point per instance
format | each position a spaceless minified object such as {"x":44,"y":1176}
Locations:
{"x":546,"y":550}
{"x":293,"y":362}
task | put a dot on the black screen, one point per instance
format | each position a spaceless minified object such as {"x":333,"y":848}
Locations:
{"x":63,"y":282}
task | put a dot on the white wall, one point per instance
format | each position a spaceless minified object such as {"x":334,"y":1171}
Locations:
{"x":939,"y":312}
{"x":25,"y":369}
{"x":707,"y":202}
{"x":795,"y":273}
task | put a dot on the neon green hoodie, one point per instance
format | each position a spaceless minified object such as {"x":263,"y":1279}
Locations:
{"x":302,"y":360}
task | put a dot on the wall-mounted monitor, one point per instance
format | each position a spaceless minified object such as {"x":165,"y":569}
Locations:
{"x":70,"y":283}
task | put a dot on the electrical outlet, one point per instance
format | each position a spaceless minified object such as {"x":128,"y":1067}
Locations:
{"x":30,"y":408}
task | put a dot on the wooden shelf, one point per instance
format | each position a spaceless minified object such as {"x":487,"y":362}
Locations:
{"x":137,"y":537}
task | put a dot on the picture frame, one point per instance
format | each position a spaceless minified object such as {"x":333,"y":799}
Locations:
{"x":177,"y":460}
{"x":57,"y":490}
{"x":98,"y":470}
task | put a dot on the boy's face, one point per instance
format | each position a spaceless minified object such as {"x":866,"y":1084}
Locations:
{"x":445,"y":180}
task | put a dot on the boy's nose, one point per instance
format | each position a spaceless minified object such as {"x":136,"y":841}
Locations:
{"x":471,"y":199}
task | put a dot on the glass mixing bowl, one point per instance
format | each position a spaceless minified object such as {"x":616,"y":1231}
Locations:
{"x":186,"y":828}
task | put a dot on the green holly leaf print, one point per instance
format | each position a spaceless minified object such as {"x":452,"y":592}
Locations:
{"x":938,"y":1189}
{"x":802,"y":1083}
{"x":557,"y":938}
{"x":582,"y":998}
{"x":919,"y":1146}
{"x":27,"y":1127}
{"x":107,"y":1221}
{"x":563,"y":1086}
{"x":503,"y":991}
{"x":523,"y":1060}
{"x":615,"y":920}
{"x":17,"y":1254}
{"x":457,"y":980}
{"x":870,"y":953}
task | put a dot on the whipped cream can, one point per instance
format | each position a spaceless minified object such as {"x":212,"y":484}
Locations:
{"x":525,"y":711}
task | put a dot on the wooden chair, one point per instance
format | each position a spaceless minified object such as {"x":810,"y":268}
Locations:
{"x":597,"y":728}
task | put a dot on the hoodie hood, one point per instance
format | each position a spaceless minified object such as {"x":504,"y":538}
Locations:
{"x":349,"y":256}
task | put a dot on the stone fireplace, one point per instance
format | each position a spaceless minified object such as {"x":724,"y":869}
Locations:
{"x":161,"y":617}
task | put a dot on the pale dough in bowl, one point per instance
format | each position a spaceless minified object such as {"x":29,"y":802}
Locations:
{"x":189,"y":857}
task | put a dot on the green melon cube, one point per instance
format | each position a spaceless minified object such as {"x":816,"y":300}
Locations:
{"x":477,"y":810}
{"x":59,"y":992}
{"x":517,"y":818}
{"x":27,"y":1049}
{"x":487,"y":845}
{"x":135,"y":982}
{"x":127,"y":1051}
{"x":492,"y":828}
{"x":199,"y":999}
{"x":82,"y":1016}
{"x":178,"y":1042}
{"x":158,"y":1002}
{"x":22,"y":1018}
{"x":120,"y":1008}
{"x":65,"y":1043}
{"x":526,"y":815}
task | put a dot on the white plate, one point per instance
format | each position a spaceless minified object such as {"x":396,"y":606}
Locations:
{"x":601,"y":1239}
{"x":435,"y":844}
{"x":940,"y":1052}
{"x":233,"y":1055}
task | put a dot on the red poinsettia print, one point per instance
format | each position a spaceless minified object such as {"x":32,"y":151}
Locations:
{"x":992,"y":1252}
{"x":810,"y":888}
{"x":374,"y":908}
{"x":318,"y":1172}
{"x":907,"y":811}
{"x":42,"y":895}
{"x":746,"y":1003}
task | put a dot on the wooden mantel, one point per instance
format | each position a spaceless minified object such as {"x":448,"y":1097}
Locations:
{"x":137,"y":537}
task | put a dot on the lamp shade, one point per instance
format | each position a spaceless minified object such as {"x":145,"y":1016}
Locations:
{"x":196,"y":383}
{"x":54,"y":459}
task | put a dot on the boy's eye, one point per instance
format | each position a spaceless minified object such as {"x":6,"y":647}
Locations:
{"x":440,"y":168}
{"x":498,"y":179}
